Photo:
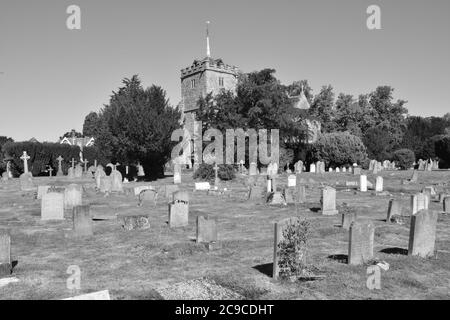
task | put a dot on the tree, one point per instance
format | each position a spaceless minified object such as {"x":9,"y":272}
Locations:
{"x":136,"y":126}
{"x":91,"y":125}
{"x":72,"y":133}
{"x":322,"y":108}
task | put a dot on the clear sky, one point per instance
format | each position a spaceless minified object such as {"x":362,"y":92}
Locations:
{"x":53,"y":77}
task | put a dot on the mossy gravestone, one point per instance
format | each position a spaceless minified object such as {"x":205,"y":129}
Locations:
{"x":82,"y":221}
{"x":178,"y":214}
{"x":422,"y":233}
{"x":52,"y":206}
{"x":328,"y":201}
{"x":394,"y":209}
{"x":360,"y":247}
{"x":72,"y":196}
{"x":206,"y":229}
{"x":5,"y":255}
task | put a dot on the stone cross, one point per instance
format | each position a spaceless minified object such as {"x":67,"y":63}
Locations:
{"x":216,"y":174}
{"x":25,"y":158}
{"x":85,"y":164}
{"x":50,"y":170}
{"x":60,"y":159}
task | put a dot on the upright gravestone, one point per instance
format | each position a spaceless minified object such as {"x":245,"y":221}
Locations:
{"x":82,"y":221}
{"x":206,"y":229}
{"x":363,"y":183}
{"x":41,"y":190}
{"x":422,"y":234}
{"x":298,"y":167}
{"x":5,"y":255}
{"x":446,"y":204}
{"x":26,"y":178}
{"x":60,"y":173}
{"x":394,"y":209}
{"x":312,"y":168}
{"x":328,"y":201}
{"x":52,"y":206}
{"x":356,"y":171}
{"x":99,"y":173}
{"x":348,"y":219}
{"x":148,"y":196}
{"x":301,"y":193}
{"x":419,"y":202}
{"x":78,"y":171}
{"x":253,"y":169}
{"x":379,"y":184}
{"x":178,"y":214}
{"x":292,"y":181}
{"x":116,"y":181}
{"x":177,"y":173}
{"x":71,"y":171}
{"x":105,"y":184}
{"x":360,"y":247}
{"x":72,"y":196}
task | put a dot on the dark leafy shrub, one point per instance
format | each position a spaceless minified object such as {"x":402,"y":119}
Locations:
{"x":206,"y":172}
{"x":404,"y":158}
{"x":442,"y":148}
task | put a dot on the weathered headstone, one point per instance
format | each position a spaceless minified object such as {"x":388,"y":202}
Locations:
{"x":139,"y":189}
{"x":301,"y":193}
{"x":116,"y":181}
{"x":41,"y":190}
{"x":348,"y":219}
{"x":419,"y":202}
{"x":276,"y":198}
{"x":446,"y":204}
{"x":394,"y":209}
{"x":206,"y":229}
{"x":202,"y":186}
{"x":72,"y":196}
{"x":312,"y":168}
{"x":177,"y":173}
{"x":78,"y":173}
{"x":253,"y":169}
{"x":169,"y":189}
{"x":5,"y":255}
{"x":379,"y":184}
{"x":289,"y":195}
{"x":148,"y":197}
{"x":178,"y":215}
{"x":360,"y":247}
{"x":99,"y":173}
{"x":256,"y":193}
{"x":26,"y":178}
{"x":363,"y":183}
{"x":135,"y":222}
{"x":52,"y":206}
{"x":328,"y":201}
{"x":292,"y":180}
{"x":105,"y":183}
{"x":422,"y":233}
{"x":82,"y":221}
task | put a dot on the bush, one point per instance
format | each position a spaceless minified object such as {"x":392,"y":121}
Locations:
{"x":206,"y":172}
{"x":404,"y":158}
{"x":338,"y":149}
{"x":442,"y":147}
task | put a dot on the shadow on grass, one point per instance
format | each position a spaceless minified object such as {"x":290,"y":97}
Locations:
{"x":395,"y":250}
{"x":342,"y":258}
{"x":315,"y":209}
{"x":266,"y":269}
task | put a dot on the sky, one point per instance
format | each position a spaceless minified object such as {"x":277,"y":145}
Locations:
{"x":52,"y":77}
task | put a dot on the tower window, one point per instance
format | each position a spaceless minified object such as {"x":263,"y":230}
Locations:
{"x":193,"y":83}
{"x":220,"y":81}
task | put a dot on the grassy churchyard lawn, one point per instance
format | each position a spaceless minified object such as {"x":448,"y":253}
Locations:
{"x":166,"y":263}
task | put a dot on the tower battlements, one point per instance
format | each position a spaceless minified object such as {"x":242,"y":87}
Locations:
{"x":208,"y":64}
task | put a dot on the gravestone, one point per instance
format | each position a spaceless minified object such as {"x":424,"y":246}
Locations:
{"x":446,"y":204}
{"x":356,"y":171}
{"x":348,"y":219}
{"x":202,"y":186}
{"x":422,"y":234}
{"x":99,"y":173}
{"x":116,"y":181}
{"x":206,"y":229}
{"x":394,"y":209}
{"x":253,"y":169}
{"x":360,"y":247}
{"x":328,"y":201}
{"x":139,"y":189}
{"x":301,"y":193}
{"x":135,"y":222}
{"x":312,"y":168}
{"x":105,"y":183}
{"x":148,"y":197}
{"x":276,"y":198}
{"x":338,"y":170}
{"x":292,"y":180}
{"x":430,"y":191}
{"x":363,"y":183}
{"x":269,"y":185}
{"x":256,"y":193}
{"x":379,"y":184}
{"x":279,"y":229}
{"x":26,"y":178}
{"x":5,"y":255}
{"x":41,"y":190}
{"x":177,"y":173}
{"x":82,"y":221}
{"x":78,"y":171}
{"x":52,"y":206}
{"x":419,"y":202}
{"x":289,"y":195}
{"x":344,"y":170}
{"x":72,"y":196}
{"x":298,"y":167}
{"x":180,"y":196}
{"x":178,"y":215}
{"x":169,"y":189}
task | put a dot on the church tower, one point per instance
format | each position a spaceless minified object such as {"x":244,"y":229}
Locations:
{"x":203,"y":77}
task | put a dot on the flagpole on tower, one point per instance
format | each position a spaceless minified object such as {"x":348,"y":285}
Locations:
{"x":208,"y":50}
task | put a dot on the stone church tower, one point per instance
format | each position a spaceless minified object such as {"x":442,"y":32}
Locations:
{"x":203,"y":77}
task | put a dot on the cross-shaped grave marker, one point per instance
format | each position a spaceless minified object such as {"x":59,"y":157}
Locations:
{"x":25,"y":158}
{"x":50,"y":170}
{"x":60,"y":159}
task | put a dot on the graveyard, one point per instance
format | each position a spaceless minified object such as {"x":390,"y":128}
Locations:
{"x":162,"y":259}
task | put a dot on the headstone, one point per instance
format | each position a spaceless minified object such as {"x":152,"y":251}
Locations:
{"x":276,"y":198}
{"x":202,"y":186}
{"x":422,"y":234}
{"x":206,"y":229}
{"x":78,"y":171}
{"x":360,"y":247}
{"x":180,"y":196}
{"x":100,"y":295}
{"x":344,"y":169}
{"x":105,"y":184}
{"x":177,"y":173}
{"x":50,"y":170}
{"x":52,"y":206}
{"x":446,"y":204}
{"x":99,"y":173}
{"x":356,"y":171}
{"x":169,"y":189}
{"x":338,"y":170}
{"x":301,"y":193}
{"x":26,"y":181}
{"x":253,"y":169}
{"x":394,"y":209}
{"x":289,"y":195}
{"x":72,"y":196}
{"x":348,"y":219}
{"x":379,"y":184}
{"x":312,"y":168}
{"x":41,"y":190}
{"x":139,"y":189}
{"x":135,"y":222}
{"x":328,"y":201}
{"x":269,"y":185}
{"x":148,"y":197}
{"x":292,"y":181}
{"x":279,"y":229}
{"x":116,"y":182}
{"x":5,"y":255}
{"x":82,"y":221}
{"x":363,"y":183}
{"x":419,"y":202}
{"x":178,"y":215}
{"x":256,"y":193}
{"x":298,"y":167}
